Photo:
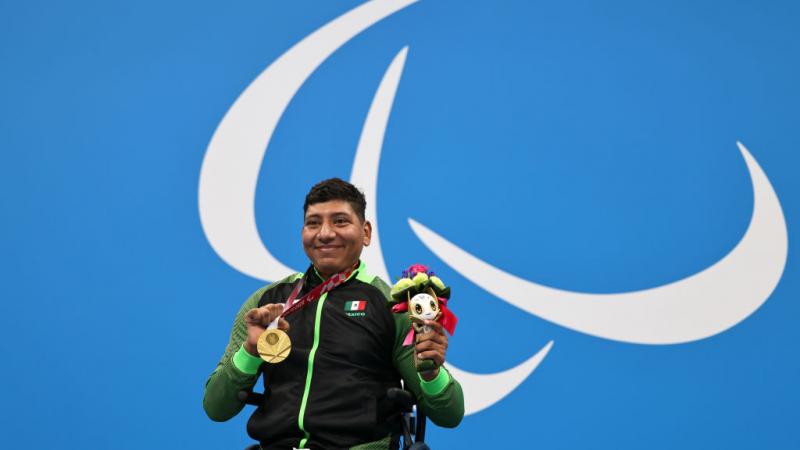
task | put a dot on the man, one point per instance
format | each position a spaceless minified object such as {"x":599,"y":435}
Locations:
{"x":329,"y":391}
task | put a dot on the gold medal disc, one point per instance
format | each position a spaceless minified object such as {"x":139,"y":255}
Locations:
{"x":274,"y":345}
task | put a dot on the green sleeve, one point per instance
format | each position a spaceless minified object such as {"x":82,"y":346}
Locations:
{"x":440,"y":399}
{"x":445,"y":407}
{"x":221,"y":401}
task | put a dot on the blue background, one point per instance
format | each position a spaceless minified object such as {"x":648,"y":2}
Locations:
{"x":588,"y":146}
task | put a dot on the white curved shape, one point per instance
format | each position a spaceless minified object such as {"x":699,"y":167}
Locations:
{"x":701,"y":305}
{"x":368,"y":157}
{"x":483,"y":391}
{"x":232,"y":162}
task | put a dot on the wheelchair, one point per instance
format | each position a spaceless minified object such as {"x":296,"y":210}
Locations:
{"x":406,"y":424}
{"x":412,"y":427}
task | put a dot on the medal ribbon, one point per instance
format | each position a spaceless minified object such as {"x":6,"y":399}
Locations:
{"x":293,"y":305}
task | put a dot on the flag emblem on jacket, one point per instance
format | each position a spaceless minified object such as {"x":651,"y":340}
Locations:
{"x":355,"y":308}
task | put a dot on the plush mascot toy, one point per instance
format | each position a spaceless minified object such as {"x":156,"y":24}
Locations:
{"x":423,"y":296}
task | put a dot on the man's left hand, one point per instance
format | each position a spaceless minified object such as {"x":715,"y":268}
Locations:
{"x":432,"y":345}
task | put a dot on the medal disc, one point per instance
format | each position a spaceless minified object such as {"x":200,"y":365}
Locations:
{"x":274,"y":345}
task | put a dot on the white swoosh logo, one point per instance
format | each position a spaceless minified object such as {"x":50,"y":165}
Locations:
{"x":702,"y":305}
{"x":229,"y":176}
{"x":368,"y":157}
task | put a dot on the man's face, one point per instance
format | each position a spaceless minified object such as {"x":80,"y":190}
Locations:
{"x":333,"y":236}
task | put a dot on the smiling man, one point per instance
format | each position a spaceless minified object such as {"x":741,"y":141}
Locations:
{"x":347,"y":346}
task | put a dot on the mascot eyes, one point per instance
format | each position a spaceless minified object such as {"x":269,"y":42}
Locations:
{"x":418,"y":308}
{"x":433,"y":305}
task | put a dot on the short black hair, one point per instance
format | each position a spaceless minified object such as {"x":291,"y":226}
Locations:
{"x":336,"y":189}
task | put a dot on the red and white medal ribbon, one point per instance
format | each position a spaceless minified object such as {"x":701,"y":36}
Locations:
{"x":294,"y":304}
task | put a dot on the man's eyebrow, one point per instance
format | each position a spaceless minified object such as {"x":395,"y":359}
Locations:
{"x":334,"y":214}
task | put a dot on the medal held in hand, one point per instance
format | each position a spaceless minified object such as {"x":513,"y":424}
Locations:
{"x":424,"y":296}
{"x":274,"y":345}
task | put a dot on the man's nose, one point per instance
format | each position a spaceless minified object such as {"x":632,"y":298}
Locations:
{"x":326,"y":232}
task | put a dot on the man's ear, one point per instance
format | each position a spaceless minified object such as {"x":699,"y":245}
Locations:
{"x":367,"y":233}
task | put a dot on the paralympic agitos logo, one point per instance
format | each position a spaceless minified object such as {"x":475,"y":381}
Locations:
{"x":701,"y":305}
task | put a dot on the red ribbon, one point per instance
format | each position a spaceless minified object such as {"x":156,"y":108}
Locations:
{"x":293,"y":305}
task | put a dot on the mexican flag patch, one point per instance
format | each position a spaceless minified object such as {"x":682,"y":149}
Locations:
{"x":355,"y":308}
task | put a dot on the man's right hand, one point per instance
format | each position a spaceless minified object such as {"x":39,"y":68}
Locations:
{"x":257,"y":320}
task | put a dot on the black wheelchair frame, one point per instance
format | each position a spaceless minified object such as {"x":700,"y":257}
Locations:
{"x":408,"y":426}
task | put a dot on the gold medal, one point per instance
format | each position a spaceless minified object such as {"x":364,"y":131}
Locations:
{"x":274,"y":345}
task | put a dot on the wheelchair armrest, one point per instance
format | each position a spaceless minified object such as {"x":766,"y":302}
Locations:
{"x":401,"y":398}
{"x":404,"y":401}
{"x":251,"y":398}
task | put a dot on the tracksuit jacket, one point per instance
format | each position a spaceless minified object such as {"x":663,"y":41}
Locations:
{"x":347,"y":350}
